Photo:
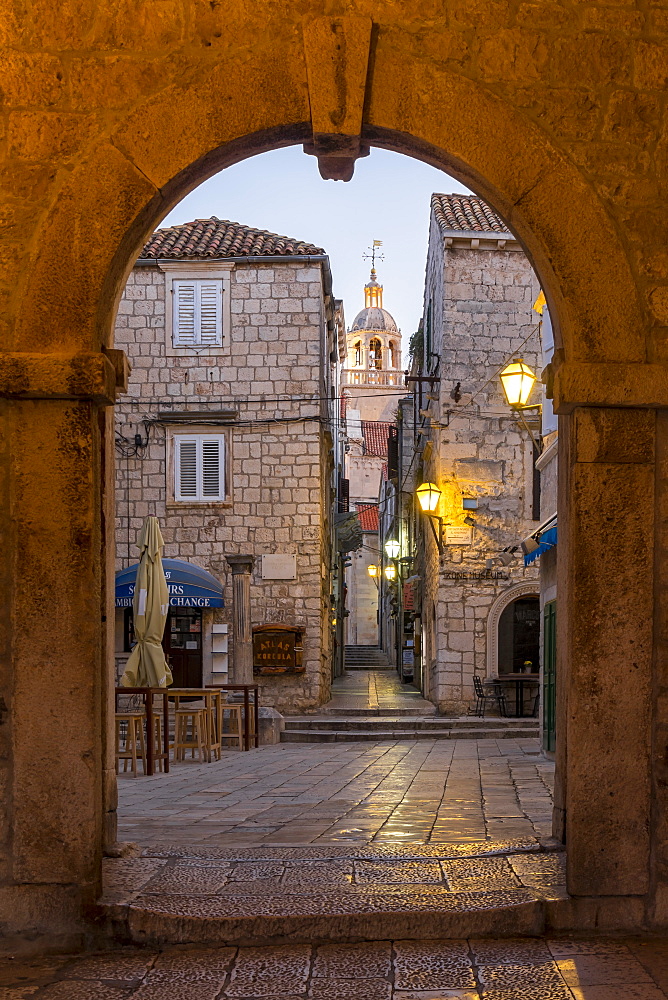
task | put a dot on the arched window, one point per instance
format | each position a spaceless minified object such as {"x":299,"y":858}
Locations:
{"x":394,"y":361}
{"x":375,"y":353}
{"x":519,"y":632}
{"x":358,"y":352}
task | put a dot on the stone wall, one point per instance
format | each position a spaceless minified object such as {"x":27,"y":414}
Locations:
{"x":481,"y":311}
{"x":270,"y":373}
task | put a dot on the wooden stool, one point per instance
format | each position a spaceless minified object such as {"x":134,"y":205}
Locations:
{"x":214,"y":727}
{"x":236,"y":715}
{"x":190,"y":733}
{"x":134,"y":735}
{"x":158,"y":752}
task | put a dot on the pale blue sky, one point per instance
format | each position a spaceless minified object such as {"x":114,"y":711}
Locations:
{"x":387,"y":199}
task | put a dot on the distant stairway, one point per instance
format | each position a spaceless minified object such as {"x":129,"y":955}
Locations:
{"x":365,"y":658}
{"x":354,"y":728}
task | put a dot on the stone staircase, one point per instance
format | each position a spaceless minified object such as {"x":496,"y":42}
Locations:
{"x":353,"y":726}
{"x":365,"y":658}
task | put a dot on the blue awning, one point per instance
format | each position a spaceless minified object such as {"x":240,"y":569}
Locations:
{"x":546,"y":541}
{"x":189,"y":586}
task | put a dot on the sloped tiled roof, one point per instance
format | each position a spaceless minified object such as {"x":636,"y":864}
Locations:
{"x":466,"y":213}
{"x":217,"y":238}
{"x":375,"y":434}
{"x":368,"y":516}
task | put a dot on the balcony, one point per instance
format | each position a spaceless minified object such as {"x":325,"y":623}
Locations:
{"x":371,"y":376}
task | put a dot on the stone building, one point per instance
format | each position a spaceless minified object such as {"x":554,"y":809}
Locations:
{"x":372,"y":383}
{"x":480,"y":615}
{"x":225,"y":434}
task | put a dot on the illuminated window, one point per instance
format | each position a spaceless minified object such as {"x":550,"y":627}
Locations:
{"x":375,"y":353}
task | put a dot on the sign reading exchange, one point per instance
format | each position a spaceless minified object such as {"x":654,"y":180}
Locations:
{"x":189,"y":586}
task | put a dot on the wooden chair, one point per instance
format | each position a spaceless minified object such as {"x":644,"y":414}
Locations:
{"x":132,"y":739}
{"x":214,"y":727}
{"x":190,"y":732}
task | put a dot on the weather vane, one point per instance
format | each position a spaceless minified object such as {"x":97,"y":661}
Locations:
{"x":374,"y":255}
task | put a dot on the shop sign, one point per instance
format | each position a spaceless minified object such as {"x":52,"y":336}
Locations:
{"x":458,"y":534}
{"x":277,"y":650}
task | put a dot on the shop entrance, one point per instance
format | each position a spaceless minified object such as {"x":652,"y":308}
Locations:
{"x":182,"y":643}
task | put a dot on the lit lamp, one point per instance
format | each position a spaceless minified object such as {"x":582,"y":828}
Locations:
{"x":391,"y":572}
{"x":517,"y":381}
{"x":428,"y":494}
{"x":393,"y":548}
{"x":372,"y":570}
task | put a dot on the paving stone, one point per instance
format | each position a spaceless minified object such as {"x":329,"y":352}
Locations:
{"x":246,"y":872}
{"x":17,"y":992}
{"x":124,"y":876}
{"x":601,"y":970}
{"x":353,"y":961}
{"x":420,"y":872}
{"x":192,"y":963}
{"x":189,"y":879}
{"x":125,"y":966}
{"x":338,"y":989}
{"x":510,"y":951}
{"x":267,"y":971}
{"x":435,"y":995}
{"x":16,"y":972}
{"x":432,"y":965}
{"x":604,"y":946}
{"x":555,"y":992}
{"x":514,"y":976}
{"x":179,"y":989}
{"x":626,"y":992}
{"x":69,"y":989}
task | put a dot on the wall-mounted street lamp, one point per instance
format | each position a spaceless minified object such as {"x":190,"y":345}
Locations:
{"x":374,"y":572}
{"x":393,"y":548}
{"x":517,"y":381}
{"x":391,"y":572}
{"x":428,"y":496}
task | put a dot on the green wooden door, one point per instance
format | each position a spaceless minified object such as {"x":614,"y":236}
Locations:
{"x":550,"y":676}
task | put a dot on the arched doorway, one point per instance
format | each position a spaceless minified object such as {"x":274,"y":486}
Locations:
{"x":86,"y":224}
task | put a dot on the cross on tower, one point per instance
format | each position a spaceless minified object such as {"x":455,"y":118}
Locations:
{"x":374,"y":255}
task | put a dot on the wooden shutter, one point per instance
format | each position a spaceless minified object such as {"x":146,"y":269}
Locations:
{"x":213,"y":468}
{"x":210,"y":312}
{"x":184,"y":319}
{"x":185,"y":467}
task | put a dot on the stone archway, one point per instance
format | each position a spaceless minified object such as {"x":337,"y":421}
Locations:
{"x":94,"y":173}
{"x":500,"y":604}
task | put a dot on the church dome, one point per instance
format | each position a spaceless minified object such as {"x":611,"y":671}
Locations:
{"x":374,"y":318}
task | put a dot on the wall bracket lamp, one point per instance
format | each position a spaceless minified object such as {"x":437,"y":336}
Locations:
{"x":428,"y":496}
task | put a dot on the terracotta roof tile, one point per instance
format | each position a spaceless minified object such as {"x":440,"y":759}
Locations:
{"x":368,"y":516}
{"x":217,"y":238}
{"x":466,"y":213}
{"x":375,"y":434}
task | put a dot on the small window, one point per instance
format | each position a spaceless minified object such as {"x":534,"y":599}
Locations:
{"x":358,"y":352}
{"x":197,"y":313}
{"x":199,"y":468}
{"x":393,"y":355}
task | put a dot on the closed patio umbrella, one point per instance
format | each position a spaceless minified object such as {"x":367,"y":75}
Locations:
{"x":147,"y":666}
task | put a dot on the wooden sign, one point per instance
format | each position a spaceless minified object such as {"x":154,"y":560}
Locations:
{"x":277,"y":649}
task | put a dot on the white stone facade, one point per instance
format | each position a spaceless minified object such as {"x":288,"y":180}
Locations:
{"x":271,"y":380}
{"x":478,"y":316}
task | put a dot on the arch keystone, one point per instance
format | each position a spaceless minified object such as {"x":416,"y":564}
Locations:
{"x":337,"y":51}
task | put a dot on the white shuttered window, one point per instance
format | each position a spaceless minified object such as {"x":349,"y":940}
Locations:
{"x":199,"y":467}
{"x":198,"y":313}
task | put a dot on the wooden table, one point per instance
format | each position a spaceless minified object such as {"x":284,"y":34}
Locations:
{"x":519,"y":680}
{"x":246,"y":689}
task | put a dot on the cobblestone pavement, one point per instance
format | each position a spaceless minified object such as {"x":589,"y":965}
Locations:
{"x":451,"y":792}
{"x":522,"y":969}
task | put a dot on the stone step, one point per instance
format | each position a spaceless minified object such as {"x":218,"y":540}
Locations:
{"x":393,"y":735}
{"x":354,"y":892}
{"x":419,"y":711}
{"x":437,"y":723}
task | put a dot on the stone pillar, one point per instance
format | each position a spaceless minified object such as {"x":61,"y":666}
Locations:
{"x":606,"y":624}
{"x":242,"y":636}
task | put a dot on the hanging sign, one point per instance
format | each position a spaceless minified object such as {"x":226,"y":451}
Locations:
{"x":277,"y":649}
